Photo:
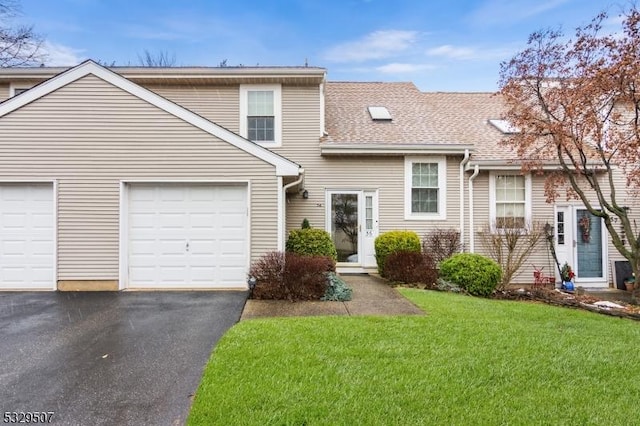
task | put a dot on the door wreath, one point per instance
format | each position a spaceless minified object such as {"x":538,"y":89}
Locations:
{"x":585,"y":227}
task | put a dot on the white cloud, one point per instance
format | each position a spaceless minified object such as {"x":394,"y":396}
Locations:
{"x":510,"y":11}
{"x":403,"y":68}
{"x":58,"y":55}
{"x":375,"y":45}
{"x":449,"y":51}
{"x":452,"y":52}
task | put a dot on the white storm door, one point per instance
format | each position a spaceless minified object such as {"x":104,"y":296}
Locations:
{"x":187,"y":236}
{"x":370,"y":222}
{"x":352,"y":222}
{"x":27,"y":237}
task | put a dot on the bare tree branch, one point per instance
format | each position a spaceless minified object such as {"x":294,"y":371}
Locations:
{"x":19,"y":45}
{"x":576,"y":102}
{"x":158,"y":59}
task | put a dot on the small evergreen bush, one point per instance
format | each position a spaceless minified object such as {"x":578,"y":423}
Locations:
{"x":410,"y":267}
{"x":337,"y":289}
{"x":289,"y":276}
{"x":311,"y":242}
{"x":476,"y":274}
{"x":393,"y":242}
{"x":443,"y":285}
{"x":305,"y":224}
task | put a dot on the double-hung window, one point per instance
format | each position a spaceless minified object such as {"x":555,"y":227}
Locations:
{"x":260,"y":113}
{"x":425,"y":188}
{"x":510,"y":201}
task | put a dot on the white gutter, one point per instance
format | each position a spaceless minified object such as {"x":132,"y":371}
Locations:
{"x":463,"y":163}
{"x":322,"y":111}
{"x":282,"y":207}
{"x":372,"y":148}
{"x":471,"y":225}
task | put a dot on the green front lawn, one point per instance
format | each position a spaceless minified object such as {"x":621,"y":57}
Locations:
{"x":469,"y":361}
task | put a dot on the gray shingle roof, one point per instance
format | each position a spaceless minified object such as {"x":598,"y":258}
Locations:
{"x":418,"y":117}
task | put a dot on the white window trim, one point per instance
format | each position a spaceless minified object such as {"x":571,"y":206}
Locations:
{"x":277,"y":111}
{"x":492,"y":197}
{"x":13,"y":87}
{"x":442,"y":192}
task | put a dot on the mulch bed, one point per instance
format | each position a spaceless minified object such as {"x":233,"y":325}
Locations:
{"x":569,"y":300}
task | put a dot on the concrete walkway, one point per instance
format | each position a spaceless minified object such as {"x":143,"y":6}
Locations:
{"x":371,"y":296}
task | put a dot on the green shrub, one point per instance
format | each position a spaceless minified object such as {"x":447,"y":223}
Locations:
{"x":393,"y":242}
{"x":305,"y":224}
{"x":410,"y":267}
{"x":337,"y":289}
{"x":476,"y":274}
{"x":311,"y":242}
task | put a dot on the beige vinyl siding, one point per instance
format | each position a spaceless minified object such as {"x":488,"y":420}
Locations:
{"x":89,"y":136}
{"x":4,"y":92}
{"x":220,"y":104}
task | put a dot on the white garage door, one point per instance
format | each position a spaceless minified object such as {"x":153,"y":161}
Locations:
{"x":26,"y":237}
{"x":187,"y":236}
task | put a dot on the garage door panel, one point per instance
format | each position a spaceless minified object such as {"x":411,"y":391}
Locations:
{"x":141,"y":220}
{"x":27,"y":236}
{"x":183,"y":229}
{"x":232,"y":248}
{"x":42,"y":221}
{"x":204,"y":220}
{"x":172,"y":220}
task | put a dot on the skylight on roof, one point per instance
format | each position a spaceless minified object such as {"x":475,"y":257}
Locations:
{"x":379,"y":113}
{"x":504,"y":126}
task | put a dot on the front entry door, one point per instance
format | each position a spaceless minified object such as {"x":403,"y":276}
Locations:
{"x":352,"y":221}
{"x":580,"y":241}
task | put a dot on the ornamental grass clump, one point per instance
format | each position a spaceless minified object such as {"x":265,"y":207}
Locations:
{"x":476,"y":274}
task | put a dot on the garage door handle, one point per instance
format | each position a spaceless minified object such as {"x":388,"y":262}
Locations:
{"x":187,"y":246}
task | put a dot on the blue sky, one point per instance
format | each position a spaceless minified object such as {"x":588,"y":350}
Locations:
{"x":440,"y":45}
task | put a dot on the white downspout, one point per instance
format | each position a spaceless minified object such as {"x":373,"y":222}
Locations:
{"x":282,"y":207}
{"x":476,"y":170}
{"x":463,"y":163}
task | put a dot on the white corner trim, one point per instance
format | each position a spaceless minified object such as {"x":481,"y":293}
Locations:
{"x":283,"y":166}
{"x":277,"y":112}
{"x":55,"y":234}
{"x":123,"y":235}
{"x":442,"y":188}
{"x":281,"y":215}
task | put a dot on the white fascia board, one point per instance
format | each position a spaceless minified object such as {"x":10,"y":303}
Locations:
{"x":508,"y":165}
{"x":283,"y":166}
{"x":372,"y":149}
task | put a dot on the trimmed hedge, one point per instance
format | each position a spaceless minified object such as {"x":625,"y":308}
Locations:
{"x":476,"y":274}
{"x":394,"y":242}
{"x":311,"y":242}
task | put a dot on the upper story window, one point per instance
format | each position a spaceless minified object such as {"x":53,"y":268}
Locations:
{"x":260,"y":113}
{"x":425,"y":188}
{"x":510,"y":201}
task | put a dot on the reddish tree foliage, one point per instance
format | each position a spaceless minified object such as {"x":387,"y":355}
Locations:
{"x":576,"y":105}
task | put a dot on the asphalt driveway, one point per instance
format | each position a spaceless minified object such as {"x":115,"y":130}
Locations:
{"x":109,"y":358}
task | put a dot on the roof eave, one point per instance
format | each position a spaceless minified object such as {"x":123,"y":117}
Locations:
{"x":390,"y":149}
{"x":176,"y":73}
